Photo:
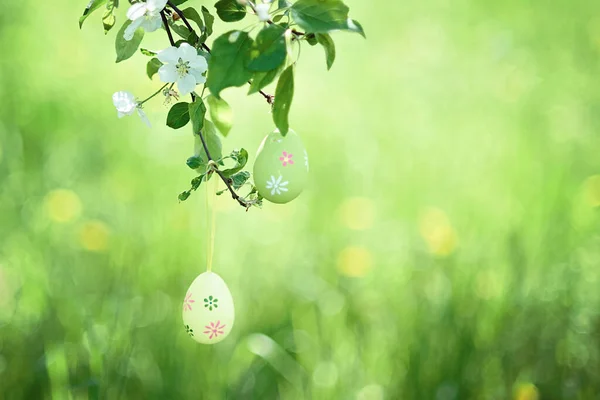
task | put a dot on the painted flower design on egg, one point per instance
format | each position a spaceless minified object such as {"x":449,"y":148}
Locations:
{"x":306,"y":159}
{"x":211,"y":302}
{"x":276,"y":185}
{"x":189,"y":330}
{"x":187,"y":303}
{"x":214,"y":329}
{"x":286,"y":158}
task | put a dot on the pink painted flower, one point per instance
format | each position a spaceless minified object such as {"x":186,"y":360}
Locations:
{"x":286,"y":159}
{"x":214,"y":330}
{"x":187,"y":303}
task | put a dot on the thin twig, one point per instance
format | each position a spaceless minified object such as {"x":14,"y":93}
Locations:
{"x":225,"y":179}
{"x":166,"y":24}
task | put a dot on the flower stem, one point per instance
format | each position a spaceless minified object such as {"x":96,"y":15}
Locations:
{"x":153,"y":95}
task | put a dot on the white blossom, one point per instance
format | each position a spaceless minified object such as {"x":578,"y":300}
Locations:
{"x":262,"y":11}
{"x":126,"y":104}
{"x":145,"y":15}
{"x":182,"y":65}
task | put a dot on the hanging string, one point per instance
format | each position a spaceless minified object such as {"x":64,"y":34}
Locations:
{"x":210,"y":223}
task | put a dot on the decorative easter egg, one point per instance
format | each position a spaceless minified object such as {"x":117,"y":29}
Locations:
{"x":208,"y":312}
{"x":281,"y":167}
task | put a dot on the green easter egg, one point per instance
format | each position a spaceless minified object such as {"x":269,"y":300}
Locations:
{"x":281,"y":167}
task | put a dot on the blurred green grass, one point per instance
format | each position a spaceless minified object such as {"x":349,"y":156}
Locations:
{"x":446,"y":248}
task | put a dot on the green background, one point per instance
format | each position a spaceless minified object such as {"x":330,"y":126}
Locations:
{"x":447,"y":245}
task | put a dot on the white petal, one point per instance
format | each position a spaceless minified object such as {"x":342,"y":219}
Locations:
{"x":283,"y":189}
{"x":279,"y":179}
{"x":155,"y":6}
{"x":187,"y":52}
{"x":151,"y":24}
{"x":197,"y":74}
{"x":186,"y":84}
{"x":128,"y":34}
{"x":136,"y":11}
{"x":199,"y":62}
{"x":144,"y":118}
{"x":168,"y":55}
{"x":262,"y":10}
{"x":284,"y":183}
{"x":273,"y":192}
{"x":120,"y":114}
{"x":168,"y":73}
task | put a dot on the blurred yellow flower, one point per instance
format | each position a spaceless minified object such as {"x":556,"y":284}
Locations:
{"x":357,"y":213}
{"x":591,"y":189}
{"x":94,"y":235}
{"x":437,"y":231}
{"x":355,"y":261}
{"x":62,"y":205}
{"x":526,"y":391}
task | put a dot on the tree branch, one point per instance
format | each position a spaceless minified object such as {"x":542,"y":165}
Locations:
{"x":166,"y":24}
{"x":211,"y":162}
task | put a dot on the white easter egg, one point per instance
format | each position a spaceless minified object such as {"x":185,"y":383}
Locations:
{"x":208,"y":312}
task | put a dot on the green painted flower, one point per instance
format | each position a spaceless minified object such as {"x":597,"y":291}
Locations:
{"x":211,"y":303}
{"x":189,"y":330}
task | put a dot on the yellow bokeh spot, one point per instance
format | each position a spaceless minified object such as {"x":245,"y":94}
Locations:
{"x":357,"y":213}
{"x":62,"y":205}
{"x":94,"y":236}
{"x":527,"y":391}
{"x":355,"y":261}
{"x":591,"y":189}
{"x":437,"y":231}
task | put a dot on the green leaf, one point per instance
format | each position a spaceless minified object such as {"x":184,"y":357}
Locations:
{"x":152,"y":67}
{"x":327,"y":42}
{"x":147,"y":52}
{"x":284,"y":4}
{"x":197,"y":110}
{"x":179,"y":116}
{"x":283,"y":100}
{"x":226,"y":67}
{"x":311,"y":39}
{"x":238,"y":180}
{"x":261,"y":79}
{"x":230,"y":10}
{"x":195,"y":162}
{"x":108,"y":18}
{"x":92,"y":6}
{"x":209,"y":133}
{"x":320,"y":16}
{"x":127,"y":48}
{"x":355,"y":26}
{"x":181,"y":30}
{"x":184,"y":195}
{"x":192,"y":14}
{"x":209,"y":20}
{"x":221,"y":114}
{"x":268,"y":51}
{"x":241,"y":159}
